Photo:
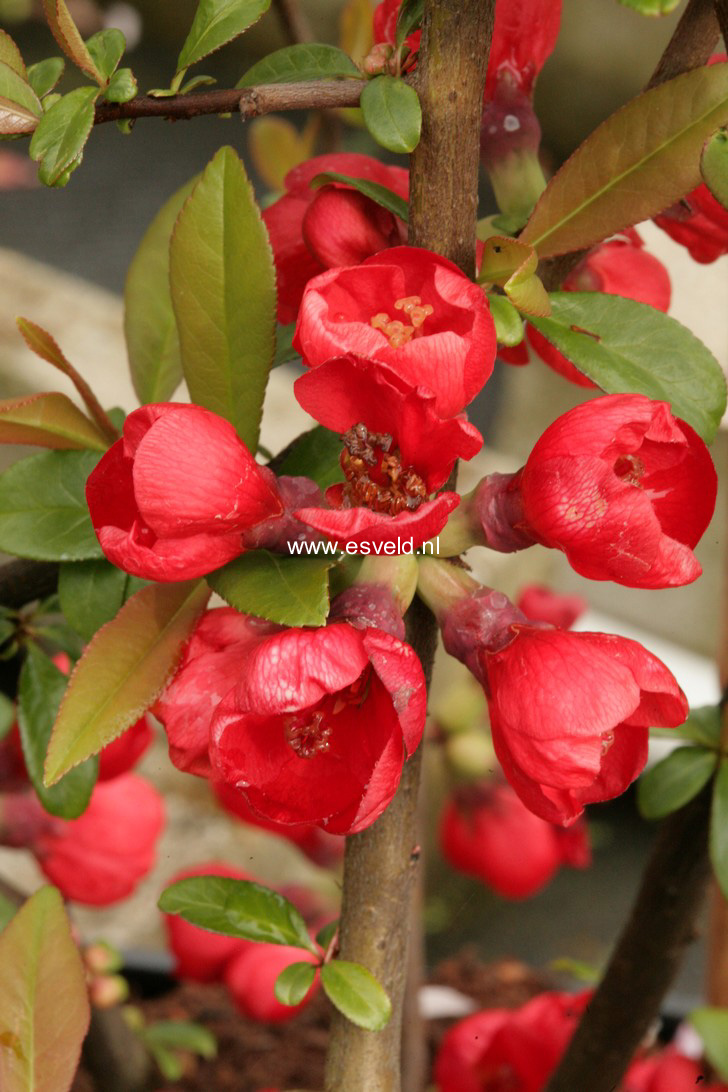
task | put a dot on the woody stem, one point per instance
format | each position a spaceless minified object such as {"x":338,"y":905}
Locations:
{"x":381,"y":864}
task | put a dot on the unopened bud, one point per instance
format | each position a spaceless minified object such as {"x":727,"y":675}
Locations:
{"x":107,"y":990}
{"x":377,"y":60}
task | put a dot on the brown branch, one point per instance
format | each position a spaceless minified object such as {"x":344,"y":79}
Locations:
{"x":647,"y":956}
{"x":250,"y":102}
{"x":690,"y":46}
{"x":380,"y":867}
{"x":294,"y":20}
{"x":721,"y":10}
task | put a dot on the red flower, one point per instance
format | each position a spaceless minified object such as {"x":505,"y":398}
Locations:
{"x":100,"y":858}
{"x":524,"y":37}
{"x":541,"y":604}
{"x":487,"y":832}
{"x":199,"y":954}
{"x":668,"y":1072}
{"x":322,"y":848}
{"x":570,"y":715}
{"x":397,"y":452}
{"x":623,"y":488}
{"x":251,"y":976}
{"x":209,"y":668}
{"x":122,"y":755}
{"x":385,"y":25}
{"x":699,"y":223}
{"x":505,"y":1050}
{"x":311,"y":230}
{"x":319,"y":724}
{"x":171,"y":499}
{"x":619,"y":267}
{"x":407,"y":308}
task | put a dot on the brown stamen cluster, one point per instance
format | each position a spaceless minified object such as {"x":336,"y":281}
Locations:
{"x":630,"y":469}
{"x":375,"y":477}
{"x":399,"y":333}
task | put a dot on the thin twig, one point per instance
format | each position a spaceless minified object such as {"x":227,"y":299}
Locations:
{"x":250,"y":102}
{"x":294,"y":20}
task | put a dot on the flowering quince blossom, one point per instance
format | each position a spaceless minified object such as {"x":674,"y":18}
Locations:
{"x":699,"y":223}
{"x":123,"y":753}
{"x":569,"y":712}
{"x":618,"y":484}
{"x":619,"y":267}
{"x":397,"y":451}
{"x":508,"y":1050}
{"x":668,"y":1072}
{"x":319,"y":724}
{"x":171,"y":499}
{"x":312,"y":230}
{"x":100,"y":857}
{"x":310,"y":725}
{"x":251,"y":976}
{"x":540,"y":604}
{"x":487,"y":832}
{"x":407,"y":308}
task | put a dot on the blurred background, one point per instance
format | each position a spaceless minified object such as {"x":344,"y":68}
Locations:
{"x":63,"y":259}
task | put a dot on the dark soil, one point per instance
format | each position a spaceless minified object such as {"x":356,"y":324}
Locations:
{"x":252,"y":1057}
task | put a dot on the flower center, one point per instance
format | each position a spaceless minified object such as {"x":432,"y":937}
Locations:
{"x":375,"y":477}
{"x":399,"y":333}
{"x":309,"y":733}
{"x":630,"y":469}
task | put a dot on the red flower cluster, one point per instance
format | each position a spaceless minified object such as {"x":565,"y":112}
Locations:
{"x":669,"y":1071}
{"x":619,"y":267}
{"x":483,"y":823}
{"x":312,"y":230}
{"x":625,"y":489}
{"x":310,"y":725}
{"x":171,"y":500}
{"x":248,"y":969}
{"x":509,"y":1050}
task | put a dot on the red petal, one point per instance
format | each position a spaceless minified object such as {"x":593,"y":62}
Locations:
{"x":375,"y":529}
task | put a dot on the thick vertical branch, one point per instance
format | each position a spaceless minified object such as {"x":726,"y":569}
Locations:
{"x":380,"y":864}
{"x":647,"y":956}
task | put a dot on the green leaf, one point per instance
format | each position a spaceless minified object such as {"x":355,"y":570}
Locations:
{"x":8,"y":910}
{"x":711,"y":1025}
{"x":58,"y":142}
{"x":293,"y":591}
{"x":314,"y":454}
{"x":196,"y":81}
{"x":216,"y":23}
{"x":714,"y":165}
{"x":674,"y":781}
{"x":7,"y":715}
{"x":628,"y":347}
{"x":43,"y":511}
{"x":409,"y":18}
{"x":91,"y":593}
{"x":170,"y":1064}
{"x":48,"y":420}
{"x":703,"y":727}
{"x":123,"y":670}
{"x":65,"y":32}
{"x":511,"y":264}
{"x":106,"y":49}
{"x":719,"y":827}
{"x":285,"y":352}
{"x":651,"y":7}
{"x":636,"y":163}
{"x":44,"y":1009}
{"x":389,"y":200}
{"x":20,"y":107}
{"x":237,"y":908}
{"x":122,"y":86}
{"x":392,"y":113}
{"x":294,"y":982}
{"x":224,"y":295}
{"x":11,"y":55}
{"x":508,"y":323}
{"x":150,"y":328}
{"x":40,"y":690}
{"x":327,"y":933}
{"x":181,"y":1035}
{"x":356,"y":993}
{"x":44,"y":75}
{"x":297,"y":63}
